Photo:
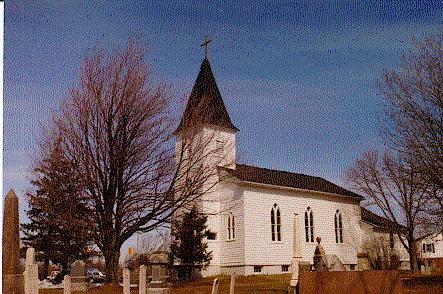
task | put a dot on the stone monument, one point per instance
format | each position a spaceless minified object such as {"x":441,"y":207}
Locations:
{"x":67,"y":285}
{"x":319,"y":252}
{"x":142,"y":280}
{"x":31,"y":279}
{"x":31,"y":272}
{"x":12,"y":278}
{"x":126,"y":281}
{"x":30,"y":256}
{"x":159,"y":265}
{"x":330,"y":263}
{"x":78,"y":276}
{"x":296,"y":252}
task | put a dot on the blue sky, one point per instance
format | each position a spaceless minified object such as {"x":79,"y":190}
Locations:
{"x":298,"y":77}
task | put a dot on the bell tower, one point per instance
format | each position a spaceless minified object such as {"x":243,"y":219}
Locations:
{"x":207,"y":136}
{"x":206,"y":116}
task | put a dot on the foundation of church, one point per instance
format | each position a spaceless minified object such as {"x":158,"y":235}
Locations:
{"x":248,"y":270}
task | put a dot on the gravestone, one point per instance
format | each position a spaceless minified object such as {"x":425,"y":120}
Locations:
{"x":330,"y":263}
{"x":31,"y":280}
{"x":30,"y":274}
{"x":159,"y":266}
{"x":215,"y":287}
{"x":67,"y":285}
{"x":12,"y":278}
{"x":78,"y":276}
{"x":142,"y":280}
{"x":30,"y":256}
{"x":126,"y":281}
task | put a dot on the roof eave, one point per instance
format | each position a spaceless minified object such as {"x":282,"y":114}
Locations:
{"x":250,"y":183}
{"x":232,"y":129}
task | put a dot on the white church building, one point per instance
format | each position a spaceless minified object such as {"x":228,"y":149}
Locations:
{"x":253,"y":212}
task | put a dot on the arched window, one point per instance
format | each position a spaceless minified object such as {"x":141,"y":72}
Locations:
{"x":231,"y":227}
{"x":338,"y":227}
{"x":309,"y":225}
{"x":275,"y":223}
{"x":219,"y":147}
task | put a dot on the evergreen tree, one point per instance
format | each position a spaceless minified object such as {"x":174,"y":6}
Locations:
{"x":58,"y":229}
{"x":189,"y":246}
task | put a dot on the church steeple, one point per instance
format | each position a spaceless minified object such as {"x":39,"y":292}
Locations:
{"x":205,"y":105}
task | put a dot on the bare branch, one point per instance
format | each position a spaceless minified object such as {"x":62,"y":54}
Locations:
{"x":116,"y":130}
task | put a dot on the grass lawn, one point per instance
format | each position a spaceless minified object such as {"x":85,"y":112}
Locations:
{"x":249,"y":284}
{"x":243,"y":284}
{"x":262,"y":284}
{"x":106,"y":289}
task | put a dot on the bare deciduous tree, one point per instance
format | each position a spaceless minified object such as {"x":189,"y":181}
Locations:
{"x":381,"y":255}
{"x":415,"y":112}
{"x":395,"y":186}
{"x":116,"y":130}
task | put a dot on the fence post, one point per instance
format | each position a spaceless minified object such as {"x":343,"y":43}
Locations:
{"x":232,"y":285}
{"x":215,"y":287}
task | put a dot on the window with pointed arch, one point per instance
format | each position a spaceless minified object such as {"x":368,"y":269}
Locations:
{"x":338,"y":227}
{"x":219,"y":144}
{"x":309,"y":225}
{"x":231,"y":227}
{"x":275,"y":223}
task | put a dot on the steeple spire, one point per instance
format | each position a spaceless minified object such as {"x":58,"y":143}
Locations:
{"x":205,"y":105}
{"x":205,"y":43}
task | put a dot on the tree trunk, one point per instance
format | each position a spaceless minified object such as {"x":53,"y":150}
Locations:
{"x":45,"y":272}
{"x":413,"y":261}
{"x":46,"y":265}
{"x":412,"y":254}
{"x":112,"y":257}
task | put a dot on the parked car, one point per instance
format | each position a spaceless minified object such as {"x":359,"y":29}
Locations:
{"x":55,"y":277}
{"x":93,"y":275}
{"x":52,"y":275}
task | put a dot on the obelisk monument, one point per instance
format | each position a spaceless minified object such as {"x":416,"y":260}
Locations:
{"x":11,"y":276}
{"x":296,"y":252}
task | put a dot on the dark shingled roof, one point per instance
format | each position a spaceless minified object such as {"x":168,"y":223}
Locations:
{"x":293,"y":180}
{"x":287,"y":179}
{"x":205,"y":105}
{"x":375,"y":219}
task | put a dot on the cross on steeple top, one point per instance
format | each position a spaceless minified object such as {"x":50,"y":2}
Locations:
{"x":205,"y":43}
